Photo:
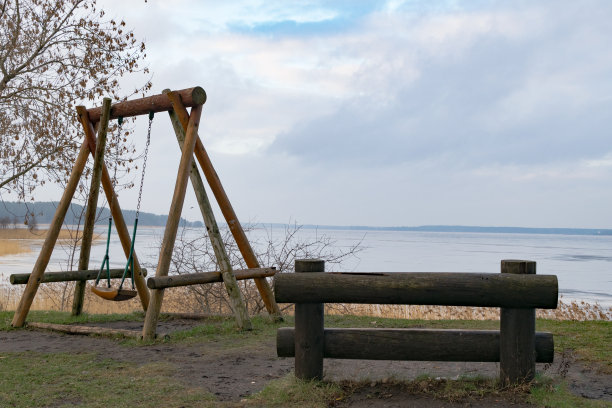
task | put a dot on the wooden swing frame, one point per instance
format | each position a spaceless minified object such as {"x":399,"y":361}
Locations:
{"x":186,"y":129}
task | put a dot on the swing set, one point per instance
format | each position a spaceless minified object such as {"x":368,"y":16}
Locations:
{"x":185,"y":126}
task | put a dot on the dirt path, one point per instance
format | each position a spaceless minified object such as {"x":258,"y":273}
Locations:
{"x":232,"y":374}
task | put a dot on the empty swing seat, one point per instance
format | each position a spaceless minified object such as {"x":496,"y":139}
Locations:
{"x":114,"y":294}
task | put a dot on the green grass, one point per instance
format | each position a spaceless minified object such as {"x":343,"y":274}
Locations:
{"x":291,"y":392}
{"x":555,"y":394}
{"x":64,"y":379}
{"x":591,"y":340}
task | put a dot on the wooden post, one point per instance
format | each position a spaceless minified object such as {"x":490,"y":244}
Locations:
{"x":235,"y":296}
{"x":92,"y":206}
{"x":230,"y":216}
{"x":309,"y":335}
{"x":54,"y":229}
{"x":115,"y":208}
{"x":517,"y":333}
{"x":176,"y":207}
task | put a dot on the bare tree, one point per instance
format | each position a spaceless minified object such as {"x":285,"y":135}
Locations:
{"x":54,"y":54}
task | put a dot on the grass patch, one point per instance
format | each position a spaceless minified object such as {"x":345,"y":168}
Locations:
{"x":291,"y":392}
{"x":36,"y":380}
{"x":224,"y":332}
{"x":555,"y":394}
{"x":589,"y":339}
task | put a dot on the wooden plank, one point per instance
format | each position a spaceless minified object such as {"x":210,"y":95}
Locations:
{"x":452,"y":289}
{"x":231,"y":286}
{"x":201,"y":278}
{"x":231,"y":218}
{"x":115,"y":209}
{"x":156,"y":103}
{"x":74,"y":329}
{"x":67,"y":276}
{"x":517,"y":327}
{"x":180,"y":188}
{"x":47,"y":248}
{"x":413,"y":344}
{"x":92,"y":205}
{"x":309,"y":322}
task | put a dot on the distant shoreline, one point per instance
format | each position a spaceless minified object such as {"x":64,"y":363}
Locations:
{"x":460,"y":228}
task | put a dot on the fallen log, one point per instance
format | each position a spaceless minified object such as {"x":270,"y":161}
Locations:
{"x":73,"y":329}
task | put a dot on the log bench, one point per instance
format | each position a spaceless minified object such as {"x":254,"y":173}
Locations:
{"x":517,"y":291}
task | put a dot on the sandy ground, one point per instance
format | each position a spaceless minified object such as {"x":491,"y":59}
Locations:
{"x":235,"y":373}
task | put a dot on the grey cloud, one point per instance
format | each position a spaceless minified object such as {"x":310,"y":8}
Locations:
{"x":502,"y":101}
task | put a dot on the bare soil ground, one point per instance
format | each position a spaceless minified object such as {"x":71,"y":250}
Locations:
{"x":232,"y":373}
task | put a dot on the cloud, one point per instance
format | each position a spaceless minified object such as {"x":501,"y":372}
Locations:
{"x":492,"y":86}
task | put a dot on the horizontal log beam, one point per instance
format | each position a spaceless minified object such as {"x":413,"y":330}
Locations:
{"x":161,"y":282}
{"x":450,"y":289}
{"x":413,"y":344}
{"x":73,"y":329}
{"x":156,"y":103}
{"x":68,"y":276}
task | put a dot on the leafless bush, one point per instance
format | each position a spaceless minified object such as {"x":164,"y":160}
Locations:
{"x":194,"y":253}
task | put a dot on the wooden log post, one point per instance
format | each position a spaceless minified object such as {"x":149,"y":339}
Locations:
{"x":231,"y":286}
{"x":115,"y":208}
{"x":231,"y":218}
{"x":74,"y":329}
{"x":420,"y":288}
{"x":92,"y":206}
{"x":309,"y":334}
{"x":54,"y":229}
{"x":155,"y":103}
{"x":412,"y":344}
{"x":517,"y":333}
{"x":176,"y":207}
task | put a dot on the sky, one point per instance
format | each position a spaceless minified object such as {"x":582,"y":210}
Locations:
{"x":388,"y":113}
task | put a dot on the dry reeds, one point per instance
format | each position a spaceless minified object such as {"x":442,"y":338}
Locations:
{"x":212,"y":299}
{"x":38,"y":234}
{"x":12,"y":247}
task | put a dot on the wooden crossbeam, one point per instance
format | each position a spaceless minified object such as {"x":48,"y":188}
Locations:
{"x":156,"y":103}
{"x":68,"y":276}
{"x":206,"y":277}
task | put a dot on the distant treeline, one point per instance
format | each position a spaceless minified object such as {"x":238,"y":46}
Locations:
{"x":42,"y":213}
{"x":459,"y":228}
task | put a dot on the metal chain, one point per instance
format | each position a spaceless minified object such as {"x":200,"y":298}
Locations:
{"x":144,"y":164}
{"x":114,"y":179}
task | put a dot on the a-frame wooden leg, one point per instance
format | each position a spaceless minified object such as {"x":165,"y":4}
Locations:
{"x":92,"y":205}
{"x":54,"y":229}
{"x":225,"y":266}
{"x":232,"y":220}
{"x":176,"y":207}
{"x":122,"y":230}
